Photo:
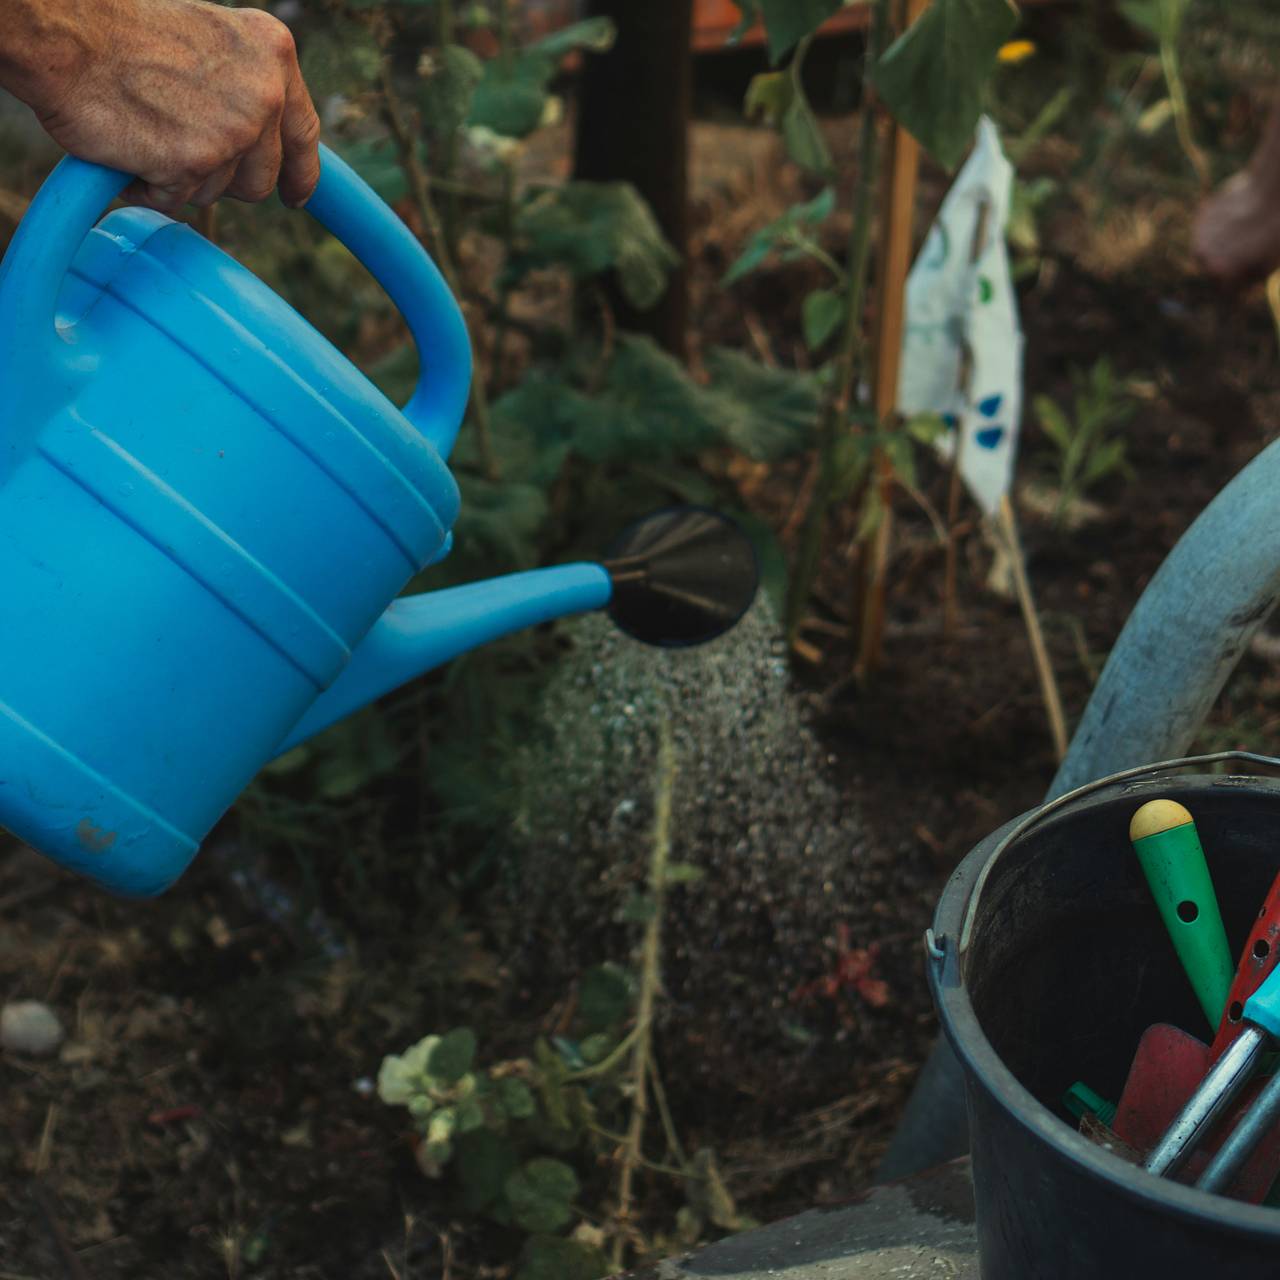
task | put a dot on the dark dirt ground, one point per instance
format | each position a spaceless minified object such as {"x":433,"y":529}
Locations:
{"x":201,"y":1120}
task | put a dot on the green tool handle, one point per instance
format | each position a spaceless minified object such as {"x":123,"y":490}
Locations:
{"x":1178,"y":875}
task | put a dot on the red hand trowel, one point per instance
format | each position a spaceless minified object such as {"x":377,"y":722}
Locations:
{"x":1170,"y":1064}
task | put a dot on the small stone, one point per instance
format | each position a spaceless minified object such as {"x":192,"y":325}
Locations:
{"x":31,"y":1028}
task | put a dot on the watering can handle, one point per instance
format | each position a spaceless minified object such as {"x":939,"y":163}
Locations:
{"x":74,"y":195}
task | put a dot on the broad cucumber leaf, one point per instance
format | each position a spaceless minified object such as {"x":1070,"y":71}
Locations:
{"x":787,"y":22}
{"x":932,"y":77}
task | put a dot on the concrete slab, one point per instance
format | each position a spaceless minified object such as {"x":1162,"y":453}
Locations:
{"x":919,"y":1229}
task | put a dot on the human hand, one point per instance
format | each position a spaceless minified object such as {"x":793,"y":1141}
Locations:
{"x":1236,"y":235}
{"x":196,"y":100}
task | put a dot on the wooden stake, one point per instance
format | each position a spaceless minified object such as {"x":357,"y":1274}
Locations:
{"x":898,"y":197}
{"x":1008,"y":526}
{"x":950,"y":604}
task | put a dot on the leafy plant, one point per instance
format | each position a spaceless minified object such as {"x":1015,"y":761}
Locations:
{"x":512,"y":1132}
{"x":1085,"y":451}
{"x":932,"y":79}
{"x":1163,"y":19}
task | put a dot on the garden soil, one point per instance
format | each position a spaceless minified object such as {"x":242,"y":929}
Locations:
{"x":210,"y":1114}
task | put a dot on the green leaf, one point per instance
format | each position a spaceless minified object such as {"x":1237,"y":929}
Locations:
{"x":780,"y":231}
{"x":596,"y":35}
{"x":1053,"y":422}
{"x":440,"y":1130}
{"x":516,"y":1098}
{"x":932,"y":77}
{"x":768,"y":414}
{"x":1105,"y":459}
{"x":779,"y":97}
{"x":552,"y":1072}
{"x":900,"y":450}
{"x":485,"y":1160}
{"x":768,"y":95}
{"x":446,"y":92}
{"x":750,"y":11}
{"x":927,"y":428}
{"x":852,"y":458}
{"x":789,"y":21}
{"x":604,"y":998}
{"x":591,"y":227}
{"x":555,"y":1258}
{"x":510,"y":99}
{"x":684,"y":873}
{"x":541,"y":1194}
{"x":452,"y":1057}
{"x":1160,"y":18}
{"x":871,"y":514}
{"x":470,"y":1113}
{"x":801,"y":132}
{"x":595,"y":1048}
{"x":821,"y":313}
{"x":639,"y":908}
{"x":511,"y":95}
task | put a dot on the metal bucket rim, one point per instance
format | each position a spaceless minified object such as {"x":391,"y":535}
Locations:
{"x":953,"y":920}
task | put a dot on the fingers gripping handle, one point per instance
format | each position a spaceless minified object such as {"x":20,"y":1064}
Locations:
{"x":75,"y":194}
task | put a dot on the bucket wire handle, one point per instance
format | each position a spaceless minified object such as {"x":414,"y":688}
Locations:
{"x":1098,"y":784}
{"x":74,"y":195}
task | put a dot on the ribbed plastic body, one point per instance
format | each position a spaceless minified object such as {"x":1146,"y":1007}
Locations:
{"x":204,"y":508}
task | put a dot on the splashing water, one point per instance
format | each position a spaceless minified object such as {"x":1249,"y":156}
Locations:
{"x":781,"y":850}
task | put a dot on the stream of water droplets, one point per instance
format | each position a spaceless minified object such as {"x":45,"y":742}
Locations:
{"x":780,"y":848}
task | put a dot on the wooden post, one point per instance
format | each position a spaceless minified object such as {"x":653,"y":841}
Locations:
{"x":898,"y":197}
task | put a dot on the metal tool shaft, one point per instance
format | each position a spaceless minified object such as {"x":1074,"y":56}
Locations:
{"x":1215,"y":1093}
{"x":1236,"y":1150}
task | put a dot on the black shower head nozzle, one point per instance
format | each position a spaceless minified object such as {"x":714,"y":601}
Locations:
{"x":681,"y":576}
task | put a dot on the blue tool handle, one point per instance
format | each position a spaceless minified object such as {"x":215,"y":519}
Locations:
{"x":74,"y":195}
{"x":1263,"y":1007}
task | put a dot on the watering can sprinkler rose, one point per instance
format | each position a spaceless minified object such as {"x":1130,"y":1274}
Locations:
{"x":207,"y":513}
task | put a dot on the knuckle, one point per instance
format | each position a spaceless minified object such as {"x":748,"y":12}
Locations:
{"x":271,"y":99}
{"x":307,"y":131}
{"x":200,"y":160}
{"x":241,"y":138}
{"x":269,"y":35}
{"x":279,"y":39}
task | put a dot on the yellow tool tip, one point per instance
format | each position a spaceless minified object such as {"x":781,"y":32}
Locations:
{"x":1156,"y":816}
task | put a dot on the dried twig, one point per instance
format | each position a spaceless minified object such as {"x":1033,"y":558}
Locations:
{"x":650,"y":978}
{"x":1039,"y":652}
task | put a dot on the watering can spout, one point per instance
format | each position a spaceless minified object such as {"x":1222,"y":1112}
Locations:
{"x":675,"y":578}
{"x":419,"y":633}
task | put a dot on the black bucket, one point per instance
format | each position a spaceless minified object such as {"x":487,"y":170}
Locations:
{"x":1047,"y":961}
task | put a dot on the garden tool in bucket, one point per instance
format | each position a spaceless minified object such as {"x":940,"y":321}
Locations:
{"x":206,"y":513}
{"x":1170,"y":1064}
{"x":1040,"y":962}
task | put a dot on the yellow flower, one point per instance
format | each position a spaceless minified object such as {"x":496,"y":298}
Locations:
{"x":1015,"y":51}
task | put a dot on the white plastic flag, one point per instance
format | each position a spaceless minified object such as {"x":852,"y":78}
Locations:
{"x":962,"y":345}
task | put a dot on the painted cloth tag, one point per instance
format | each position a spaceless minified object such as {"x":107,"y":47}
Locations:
{"x":962,"y":345}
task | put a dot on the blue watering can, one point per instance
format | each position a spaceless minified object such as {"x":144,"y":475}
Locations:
{"x":206,"y":513}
